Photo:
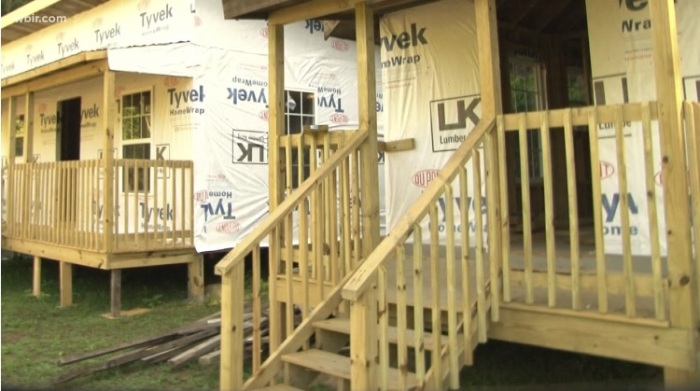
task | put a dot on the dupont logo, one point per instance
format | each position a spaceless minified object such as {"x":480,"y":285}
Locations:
{"x":340,"y":46}
{"x":60,"y":36}
{"x":97,"y":23}
{"x":607,"y":169}
{"x":42,"y":107}
{"x":340,"y":119}
{"x":197,"y":21}
{"x":265,"y":32}
{"x":228,"y":227}
{"x":143,"y":5}
{"x":201,"y":196}
{"x":423,"y":178}
{"x":264,"y":115}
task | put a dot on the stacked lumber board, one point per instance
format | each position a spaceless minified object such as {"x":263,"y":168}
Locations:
{"x":199,"y":340}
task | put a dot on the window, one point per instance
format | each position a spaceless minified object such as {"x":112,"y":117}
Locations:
{"x":19,"y":135}
{"x":576,"y":87}
{"x":526,"y":89}
{"x":298,"y":112}
{"x":136,"y":133}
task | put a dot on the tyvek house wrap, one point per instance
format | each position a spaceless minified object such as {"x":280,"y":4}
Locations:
{"x":622,"y":66}
{"x":208,"y":77}
{"x":432,"y":94}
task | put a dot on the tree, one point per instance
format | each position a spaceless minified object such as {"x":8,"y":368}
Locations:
{"x":11,"y":5}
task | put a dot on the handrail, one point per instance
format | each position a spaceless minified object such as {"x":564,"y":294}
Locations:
{"x":361,"y":279}
{"x":237,"y":255}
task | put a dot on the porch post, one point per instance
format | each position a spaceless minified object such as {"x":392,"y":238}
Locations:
{"x":491,"y":106}
{"x":367,"y":110}
{"x":10,"y":208}
{"x":276,"y":129}
{"x":682,"y":288}
{"x":108,"y":122}
{"x":27,"y":200}
{"x":29,"y":127}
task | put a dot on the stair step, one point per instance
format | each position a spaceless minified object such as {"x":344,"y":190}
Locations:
{"x":342,"y":325}
{"x":336,"y":365}
{"x":279,"y":387}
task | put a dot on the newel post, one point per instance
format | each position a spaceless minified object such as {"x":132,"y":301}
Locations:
{"x":364,"y":354}
{"x":682,"y":294}
{"x":108,"y":125}
{"x":232,"y":294}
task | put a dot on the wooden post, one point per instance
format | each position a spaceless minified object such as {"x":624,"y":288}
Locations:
{"x":364,"y":368}
{"x":231,"y":364}
{"x":491,"y":106}
{"x":108,"y":123}
{"x":36,"y":280}
{"x":195,"y":279}
{"x":29,"y":127}
{"x":12,"y":117}
{"x":27,"y":199}
{"x":276,"y":128}
{"x":682,"y":302}
{"x":366,"y":83}
{"x":115,"y":293}
{"x":66,"y":283}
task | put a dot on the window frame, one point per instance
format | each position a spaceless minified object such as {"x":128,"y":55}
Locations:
{"x":128,"y":173}
{"x":301,"y":114}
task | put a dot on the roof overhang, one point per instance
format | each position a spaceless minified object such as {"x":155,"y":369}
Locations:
{"x":40,"y":14}
{"x":287,"y":11}
{"x":77,"y":67}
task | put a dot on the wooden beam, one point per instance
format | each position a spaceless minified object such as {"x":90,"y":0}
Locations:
{"x":312,"y":9}
{"x":29,"y":127}
{"x":653,"y":345}
{"x":51,"y":251}
{"x":237,"y":8}
{"x":683,"y":296}
{"x":73,"y":60}
{"x":81,"y":72}
{"x":28,"y":9}
{"x":406,"y":144}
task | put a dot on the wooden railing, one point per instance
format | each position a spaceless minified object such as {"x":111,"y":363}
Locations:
{"x":608,"y":284}
{"x":313,"y":238}
{"x":463,"y":272}
{"x":62,"y":203}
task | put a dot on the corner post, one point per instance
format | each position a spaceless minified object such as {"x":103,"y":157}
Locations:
{"x":491,"y":106}
{"x":367,"y":108}
{"x":108,"y":123}
{"x":683,"y":301}
{"x":27,"y":200}
{"x":11,"y":207}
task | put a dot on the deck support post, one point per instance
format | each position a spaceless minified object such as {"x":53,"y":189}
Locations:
{"x":65,"y":273}
{"x":195,"y":279}
{"x":36,"y":279}
{"x":11,"y":118}
{"x":682,"y":292}
{"x":115,"y":291}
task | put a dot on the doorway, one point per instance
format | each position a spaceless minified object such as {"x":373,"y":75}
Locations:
{"x":68,"y":149}
{"x":68,"y":130}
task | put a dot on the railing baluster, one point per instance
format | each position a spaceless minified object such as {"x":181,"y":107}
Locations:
{"x":505,"y":211}
{"x":345,"y":214}
{"x":624,"y":212}
{"x":480,"y":272}
{"x":573,"y":212}
{"x":435,"y":287}
{"x":383,"y":324}
{"x":304,"y":254}
{"x":401,"y":315}
{"x":257,"y":311}
{"x":549,"y":212}
{"x":465,"y":275}
{"x":526,"y":215}
{"x":418,"y":320}
{"x":692,"y":111}
{"x":355,"y":205}
{"x":134,"y":189}
{"x":451,"y":286}
{"x":601,"y":267}
{"x":659,"y":299}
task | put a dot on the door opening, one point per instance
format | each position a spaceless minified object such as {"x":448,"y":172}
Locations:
{"x":68,"y":130}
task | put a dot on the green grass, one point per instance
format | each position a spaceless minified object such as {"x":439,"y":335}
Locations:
{"x":36,"y":333}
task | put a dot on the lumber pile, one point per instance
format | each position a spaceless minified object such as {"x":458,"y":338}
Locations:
{"x":199,"y":340}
